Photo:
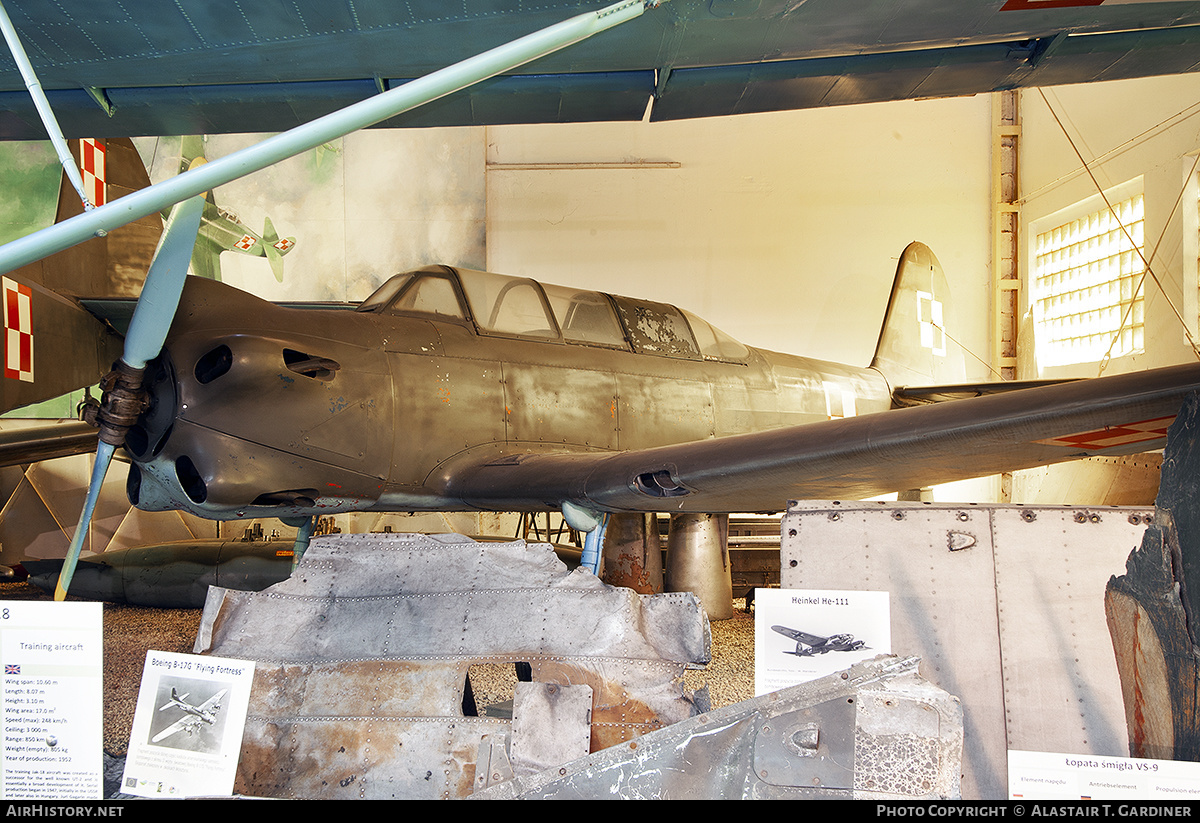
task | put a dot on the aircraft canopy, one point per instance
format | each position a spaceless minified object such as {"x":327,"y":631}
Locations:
{"x":497,"y":304}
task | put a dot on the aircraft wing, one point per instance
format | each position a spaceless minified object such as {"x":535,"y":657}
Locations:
{"x":214,"y":701}
{"x":803,"y":637}
{"x":206,"y":258}
{"x":176,"y":727}
{"x":28,"y":441}
{"x":853,"y":457}
{"x":693,"y":58}
{"x":915,"y":395}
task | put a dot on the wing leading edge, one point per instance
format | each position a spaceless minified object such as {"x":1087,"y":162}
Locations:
{"x":853,"y":457}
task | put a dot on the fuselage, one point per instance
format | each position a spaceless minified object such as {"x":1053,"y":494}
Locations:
{"x":263,"y":410}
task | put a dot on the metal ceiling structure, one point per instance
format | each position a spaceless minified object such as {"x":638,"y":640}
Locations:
{"x":191,"y":67}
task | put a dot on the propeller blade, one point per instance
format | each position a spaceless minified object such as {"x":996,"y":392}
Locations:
{"x":164,"y":283}
{"x":104,"y":454}
{"x":147,"y":332}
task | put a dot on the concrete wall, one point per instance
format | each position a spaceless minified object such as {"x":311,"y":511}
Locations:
{"x":362,"y":208}
{"x":782,"y":229}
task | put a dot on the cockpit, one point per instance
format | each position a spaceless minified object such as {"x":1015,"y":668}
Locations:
{"x":499,"y":305}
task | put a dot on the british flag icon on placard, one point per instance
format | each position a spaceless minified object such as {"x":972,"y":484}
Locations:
{"x":18,"y":330}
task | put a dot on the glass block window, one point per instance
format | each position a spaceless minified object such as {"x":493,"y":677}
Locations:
{"x":1088,"y":286}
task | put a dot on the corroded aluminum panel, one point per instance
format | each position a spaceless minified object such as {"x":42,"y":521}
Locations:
{"x":361,"y":757}
{"x":629,"y":697}
{"x":363,"y":654}
{"x":943,"y":602}
{"x":356,"y":577}
{"x":1004,"y":604}
{"x":551,"y":725}
{"x":493,"y":765}
{"x":813,"y":746}
{"x":876,"y":731}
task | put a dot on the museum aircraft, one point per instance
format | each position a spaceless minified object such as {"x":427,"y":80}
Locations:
{"x":456,"y":390}
{"x":809,"y":644}
{"x":451,"y":389}
{"x":194,"y":717}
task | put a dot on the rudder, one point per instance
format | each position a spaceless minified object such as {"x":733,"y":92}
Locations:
{"x":913,"y":347}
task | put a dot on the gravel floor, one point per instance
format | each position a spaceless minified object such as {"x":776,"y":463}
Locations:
{"x":730,"y":675}
{"x":130,"y":631}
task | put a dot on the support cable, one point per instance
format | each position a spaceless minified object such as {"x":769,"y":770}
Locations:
{"x":43,"y":107}
{"x":1146,"y":268}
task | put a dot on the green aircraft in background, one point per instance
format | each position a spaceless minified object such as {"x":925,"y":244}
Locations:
{"x":222,"y":231}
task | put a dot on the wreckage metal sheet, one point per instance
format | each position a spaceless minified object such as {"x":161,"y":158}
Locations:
{"x":364,"y":652}
{"x":876,"y":731}
{"x":1061,"y":686}
{"x":1004,"y":604}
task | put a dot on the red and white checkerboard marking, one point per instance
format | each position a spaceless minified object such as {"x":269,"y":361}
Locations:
{"x":1025,"y":5}
{"x":92,"y":164}
{"x":18,"y":330}
{"x":1114,"y":436}
{"x":285,"y":244}
{"x":246,"y":243}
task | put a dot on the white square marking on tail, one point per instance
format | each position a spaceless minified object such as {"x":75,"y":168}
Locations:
{"x":929,"y":315}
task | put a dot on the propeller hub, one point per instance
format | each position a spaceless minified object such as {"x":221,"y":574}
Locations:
{"x":122,"y":402}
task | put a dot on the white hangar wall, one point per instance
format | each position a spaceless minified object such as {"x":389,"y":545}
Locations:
{"x":1136,"y":134}
{"x":782,"y":229}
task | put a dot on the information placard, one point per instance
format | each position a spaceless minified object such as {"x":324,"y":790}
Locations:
{"x":53,"y":658}
{"x":804,"y":634}
{"x":187,"y":729}
{"x":1057,"y":776}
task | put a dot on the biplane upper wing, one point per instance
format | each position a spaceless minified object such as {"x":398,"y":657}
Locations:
{"x":849,"y":457}
{"x":275,"y":70}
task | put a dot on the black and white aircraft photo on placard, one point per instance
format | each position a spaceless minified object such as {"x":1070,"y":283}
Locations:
{"x":810,"y":644}
{"x":198,"y":729}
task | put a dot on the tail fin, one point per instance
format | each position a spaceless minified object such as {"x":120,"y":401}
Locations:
{"x":110,"y":266}
{"x":913,"y":348}
{"x":52,"y":344}
{"x":275,"y":248}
